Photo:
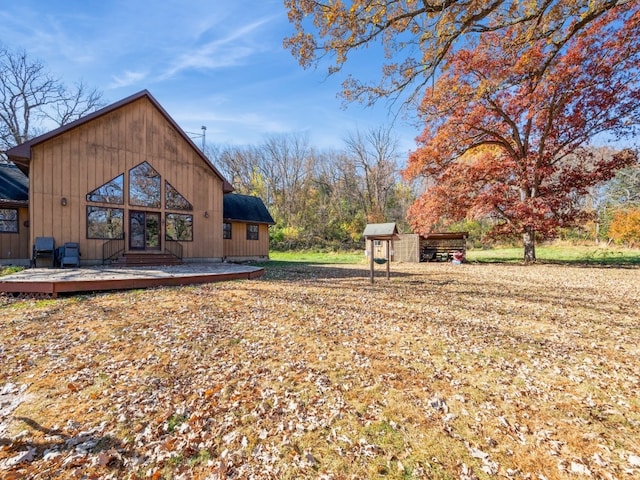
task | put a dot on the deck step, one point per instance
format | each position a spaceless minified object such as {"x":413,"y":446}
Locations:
{"x":145,"y":260}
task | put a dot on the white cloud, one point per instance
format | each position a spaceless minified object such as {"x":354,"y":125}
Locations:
{"x":231,"y":50}
{"x":126,"y":79}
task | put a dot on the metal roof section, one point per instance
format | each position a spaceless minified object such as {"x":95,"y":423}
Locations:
{"x":381,"y":231}
{"x":245,"y":208}
{"x":14,"y":185}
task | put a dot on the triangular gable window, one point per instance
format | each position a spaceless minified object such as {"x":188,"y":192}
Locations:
{"x":144,"y":186}
{"x":174,"y":199}
{"x":110,"y":192}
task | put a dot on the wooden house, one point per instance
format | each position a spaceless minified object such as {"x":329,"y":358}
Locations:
{"x":123,"y":182}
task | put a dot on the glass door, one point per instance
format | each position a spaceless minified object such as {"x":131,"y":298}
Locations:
{"x":144,"y":230}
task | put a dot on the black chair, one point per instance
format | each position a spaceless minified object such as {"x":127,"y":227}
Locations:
{"x":70,"y":255}
{"x":43,"y":247}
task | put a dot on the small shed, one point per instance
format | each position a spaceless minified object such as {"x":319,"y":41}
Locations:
{"x":246,"y":222}
{"x":378,"y":239}
{"x":434,"y":247}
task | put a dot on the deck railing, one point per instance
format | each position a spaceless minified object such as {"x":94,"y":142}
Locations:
{"x":112,"y":249}
{"x":174,"y":248}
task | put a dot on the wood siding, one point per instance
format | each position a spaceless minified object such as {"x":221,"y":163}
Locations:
{"x":238,"y":247}
{"x":407,"y":249}
{"x":14,"y":247}
{"x":82,"y":159}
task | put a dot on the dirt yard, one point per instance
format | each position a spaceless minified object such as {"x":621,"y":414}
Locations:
{"x":443,"y":372}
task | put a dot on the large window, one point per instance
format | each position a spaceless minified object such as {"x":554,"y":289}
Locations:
{"x":110,"y":192}
{"x":226,"y":230}
{"x":105,"y":223}
{"x":252,"y":232}
{"x":144,"y":186}
{"x":174,"y":200}
{"x":179,"y":227}
{"x":8,"y":220}
{"x":144,"y":190}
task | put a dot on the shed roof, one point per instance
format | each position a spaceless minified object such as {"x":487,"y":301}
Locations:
{"x":446,"y":235}
{"x":21,"y":154}
{"x":381,"y":231}
{"x":245,"y":208}
{"x":14,"y":185}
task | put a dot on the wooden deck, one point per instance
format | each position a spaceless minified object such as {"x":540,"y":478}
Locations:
{"x":48,"y":282}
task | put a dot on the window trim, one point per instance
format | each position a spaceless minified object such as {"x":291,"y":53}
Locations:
{"x":227,"y":231}
{"x":156,"y":203}
{"x":251,"y":234}
{"x":166,"y":226}
{"x":114,"y":179}
{"x":98,"y":207}
{"x":167,"y":189}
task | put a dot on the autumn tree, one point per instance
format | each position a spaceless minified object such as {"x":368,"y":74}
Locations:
{"x":321,"y":197}
{"x":30,"y":94}
{"x":507,"y":126}
{"x":417,"y":35}
{"x":625,"y":227}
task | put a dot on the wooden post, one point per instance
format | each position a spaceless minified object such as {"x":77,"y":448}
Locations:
{"x":371,"y":261}
{"x":388,"y":258}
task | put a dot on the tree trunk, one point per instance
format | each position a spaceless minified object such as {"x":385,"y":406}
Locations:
{"x":529,"y":241}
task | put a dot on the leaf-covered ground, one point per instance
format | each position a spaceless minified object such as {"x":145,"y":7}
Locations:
{"x":443,"y":372}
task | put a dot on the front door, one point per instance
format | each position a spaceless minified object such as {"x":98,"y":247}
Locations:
{"x":144,"y":230}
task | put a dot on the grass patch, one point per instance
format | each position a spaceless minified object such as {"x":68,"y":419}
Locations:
{"x":8,"y":270}
{"x":313,"y":257}
{"x":567,"y":254}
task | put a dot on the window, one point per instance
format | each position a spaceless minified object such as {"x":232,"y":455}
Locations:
{"x":226,"y":230}
{"x":104,"y":223}
{"x":144,"y":186}
{"x":110,"y":192}
{"x":8,"y":220}
{"x":174,"y":200}
{"x":252,"y":232}
{"x":179,"y":227}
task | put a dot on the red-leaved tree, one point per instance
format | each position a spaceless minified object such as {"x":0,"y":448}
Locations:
{"x":507,"y":126}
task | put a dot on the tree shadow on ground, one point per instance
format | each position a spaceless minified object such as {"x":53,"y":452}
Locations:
{"x":285,"y":270}
{"x":57,"y":448}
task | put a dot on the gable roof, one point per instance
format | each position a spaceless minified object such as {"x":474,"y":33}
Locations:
{"x":381,"y":231}
{"x":14,"y":185}
{"x":245,"y":208}
{"x":21,"y":154}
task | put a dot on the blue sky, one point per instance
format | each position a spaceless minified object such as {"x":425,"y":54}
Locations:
{"x":216,"y":63}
